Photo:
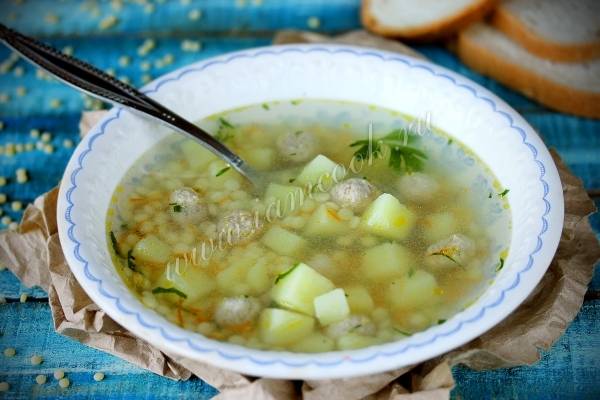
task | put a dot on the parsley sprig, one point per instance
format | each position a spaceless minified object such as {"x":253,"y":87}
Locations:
{"x":403,"y":156}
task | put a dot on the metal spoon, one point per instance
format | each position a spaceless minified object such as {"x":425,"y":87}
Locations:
{"x":94,"y":82}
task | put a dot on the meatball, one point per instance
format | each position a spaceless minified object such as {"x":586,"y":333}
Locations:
{"x":233,"y":311}
{"x":453,"y":251}
{"x":297,"y":146}
{"x":238,"y":226}
{"x":185,"y":206}
{"x":353,"y":193}
{"x":417,"y":187}
{"x":355,"y":323}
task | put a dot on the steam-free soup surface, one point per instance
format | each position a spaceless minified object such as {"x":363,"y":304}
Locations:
{"x":354,"y":242}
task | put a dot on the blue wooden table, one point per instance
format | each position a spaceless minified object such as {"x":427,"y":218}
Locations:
{"x":110,"y":34}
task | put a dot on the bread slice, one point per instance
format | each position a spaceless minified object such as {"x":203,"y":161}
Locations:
{"x":569,"y":87}
{"x":560,"y":30}
{"x":423,"y":19}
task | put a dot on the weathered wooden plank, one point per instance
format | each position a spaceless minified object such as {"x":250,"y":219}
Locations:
{"x":28,"y":328}
{"x":74,"y":17}
{"x":570,"y":370}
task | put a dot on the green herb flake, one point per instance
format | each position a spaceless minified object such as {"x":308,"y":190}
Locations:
{"x":162,"y":290}
{"x":500,"y":264}
{"x":266,"y":106}
{"x":176,"y":207}
{"x":403,"y":158}
{"x":441,"y":321}
{"x":222,"y":171}
{"x":225,"y":123}
{"x":285,"y":273}
{"x":411,"y":272}
{"x":291,"y":180}
{"x":504,"y":193}
{"x":490,"y":195}
{"x":131,"y":260}
{"x":298,"y":133}
{"x":441,"y":253}
{"x":225,"y":131}
{"x":402,"y":332}
{"x":295,"y":102}
{"x":450,"y":141}
{"x":115,"y":244}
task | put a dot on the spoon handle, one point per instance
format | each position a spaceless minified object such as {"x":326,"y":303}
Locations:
{"x":94,"y":82}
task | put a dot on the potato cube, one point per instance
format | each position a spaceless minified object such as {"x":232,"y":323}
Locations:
{"x":283,"y":241}
{"x":351,"y":341}
{"x":389,"y":218}
{"x":331,"y":307}
{"x":414,"y":291}
{"x":297,"y":288}
{"x":151,"y":249}
{"x":282,"y":327}
{"x":325,"y":221}
{"x":258,"y":278}
{"x":261,"y":158}
{"x":188,"y":279}
{"x":438,"y":226}
{"x":321,"y":171}
{"x":196,"y":155}
{"x":359,"y":300}
{"x":387,"y":261}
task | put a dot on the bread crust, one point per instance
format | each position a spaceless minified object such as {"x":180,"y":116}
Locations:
{"x":548,"y":92}
{"x":514,"y":28}
{"x":441,"y":28}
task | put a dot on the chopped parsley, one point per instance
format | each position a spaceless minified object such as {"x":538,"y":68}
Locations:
{"x":295,"y":102}
{"x":444,"y":254}
{"x":291,"y":180}
{"x":441,"y":321}
{"x":115,"y":245}
{"x":131,"y":260}
{"x":222,"y":171}
{"x":450,"y":140}
{"x":162,"y":290}
{"x":490,"y":195}
{"x":225,"y":131}
{"x":402,"y":332}
{"x":503,"y":193}
{"x":500,"y":264}
{"x":266,"y":106}
{"x":285,"y":273}
{"x":298,"y":133}
{"x":402,"y":156}
{"x":176,"y":207}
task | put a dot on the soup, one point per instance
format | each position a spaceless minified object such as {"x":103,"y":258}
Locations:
{"x":370,"y":226}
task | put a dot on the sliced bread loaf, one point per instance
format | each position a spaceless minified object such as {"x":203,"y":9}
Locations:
{"x":423,"y":19}
{"x":560,"y":30}
{"x":569,"y":87}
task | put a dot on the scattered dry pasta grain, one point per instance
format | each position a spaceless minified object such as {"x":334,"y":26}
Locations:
{"x":194,"y":14}
{"x":48,"y":149}
{"x":21,"y":91}
{"x":67,"y":143}
{"x":13,"y":226}
{"x":55,"y":103}
{"x":40,"y":379}
{"x":23,"y":297}
{"x":108,"y":22}
{"x":36,"y":359}
{"x":313,"y":22}
{"x":4,"y":386}
{"x":64,"y":383}
{"x":46,"y":137}
{"x":16,"y":206}
{"x":6,"y":220}
{"x":9,"y":352}
{"x":59,"y":374}
{"x":3,"y":181}
{"x":34,"y":133}
{"x":98,"y":376}
{"x":124,"y":61}
{"x":18,"y":71}
{"x":68,"y":50}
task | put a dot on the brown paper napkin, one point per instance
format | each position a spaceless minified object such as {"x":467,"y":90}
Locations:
{"x":34,"y":254}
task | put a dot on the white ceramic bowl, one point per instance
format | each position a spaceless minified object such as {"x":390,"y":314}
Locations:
{"x":491,"y":128}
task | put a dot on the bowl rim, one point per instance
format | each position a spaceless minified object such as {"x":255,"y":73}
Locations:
{"x":373,"y":359}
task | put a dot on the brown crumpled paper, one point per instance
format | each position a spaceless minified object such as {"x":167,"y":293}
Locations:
{"x":34,"y":254}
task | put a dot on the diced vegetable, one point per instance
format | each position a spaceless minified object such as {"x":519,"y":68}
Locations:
{"x":351,"y":341}
{"x":151,"y":249}
{"x":232,"y":280}
{"x":196,"y":155}
{"x":282,"y":327}
{"x":190,"y":280}
{"x":415,"y":291}
{"x":325,"y":221}
{"x":290,"y":198}
{"x":283,"y":241}
{"x":314,"y":343}
{"x":389,"y":218}
{"x":258,"y":278}
{"x":320,"y":169}
{"x":261,"y":158}
{"x":359,"y":300}
{"x":387,"y":261}
{"x":438,"y":226}
{"x":331,"y":307}
{"x":297,"y":288}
